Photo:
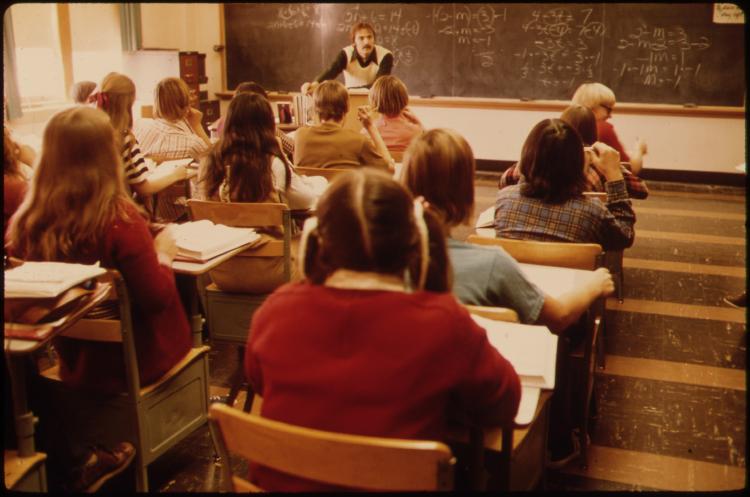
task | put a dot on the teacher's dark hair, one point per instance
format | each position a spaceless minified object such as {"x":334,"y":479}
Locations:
{"x":359,"y":26}
{"x":552,"y":162}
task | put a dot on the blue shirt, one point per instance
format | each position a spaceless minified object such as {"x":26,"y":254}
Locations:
{"x":488,"y":276}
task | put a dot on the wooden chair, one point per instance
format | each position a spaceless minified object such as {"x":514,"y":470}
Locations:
{"x":154,"y":417}
{"x":369,"y":463}
{"x":586,"y":256}
{"x":229,"y":313}
{"x":327,"y":172}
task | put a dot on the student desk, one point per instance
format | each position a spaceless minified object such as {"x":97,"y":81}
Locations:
{"x":24,"y":468}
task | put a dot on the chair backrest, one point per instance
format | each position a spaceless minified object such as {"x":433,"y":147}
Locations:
{"x":369,"y":463}
{"x":250,"y":215}
{"x":327,"y":172}
{"x":561,"y":254}
{"x":496,"y":313}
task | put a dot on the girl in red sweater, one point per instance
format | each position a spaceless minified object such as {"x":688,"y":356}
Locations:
{"x":78,"y":210}
{"x":372,"y":342}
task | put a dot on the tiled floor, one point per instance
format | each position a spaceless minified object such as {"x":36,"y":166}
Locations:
{"x":671,"y":403}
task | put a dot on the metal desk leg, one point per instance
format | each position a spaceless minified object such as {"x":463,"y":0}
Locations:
{"x":188,"y":289}
{"x":24,"y":418}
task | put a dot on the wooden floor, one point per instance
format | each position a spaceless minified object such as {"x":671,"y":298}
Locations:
{"x":671,"y":402}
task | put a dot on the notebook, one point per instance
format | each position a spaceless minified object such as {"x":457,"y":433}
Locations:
{"x":203,"y":240}
{"x":532,"y":350}
{"x":47,"y":279}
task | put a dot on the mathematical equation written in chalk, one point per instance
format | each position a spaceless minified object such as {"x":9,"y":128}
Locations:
{"x":471,"y":25}
{"x":660,"y":57}
{"x":567,"y":49}
{"x":295,"y":16}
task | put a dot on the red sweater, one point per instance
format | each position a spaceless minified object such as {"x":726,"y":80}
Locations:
{"x":162,"y":334}
{"x":606,"y":134}
{"x":372,"y":363}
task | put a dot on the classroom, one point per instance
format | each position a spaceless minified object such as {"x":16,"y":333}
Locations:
{"x":377,"y":246}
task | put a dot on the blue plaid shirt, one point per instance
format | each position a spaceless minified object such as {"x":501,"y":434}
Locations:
{"x":579,"y":220}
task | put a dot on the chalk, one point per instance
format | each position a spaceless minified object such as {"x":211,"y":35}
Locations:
{"x":690,"y":105}
{"x":526,"y":99}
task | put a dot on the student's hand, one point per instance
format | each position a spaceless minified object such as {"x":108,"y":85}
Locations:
{"x":407,"y":113}
{"x":602,"y":280}
{"x":641,"y":146}
{"x":606,"y":160}
{"x":364,"y":116}
{"x":189,"y":172}
{"x":194,"y":117}
{"x":165,"y":246}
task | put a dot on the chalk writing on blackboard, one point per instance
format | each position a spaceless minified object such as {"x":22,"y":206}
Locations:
{"x":659,"y":56}
{"x":470,"y":25}
{"x":567,"y":49}
{"x":392,"y":27}
{"x":296,"y":16}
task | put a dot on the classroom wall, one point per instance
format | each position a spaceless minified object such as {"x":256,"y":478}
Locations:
{"x":682,"y":143}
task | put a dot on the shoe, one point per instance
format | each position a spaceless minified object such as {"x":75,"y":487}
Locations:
{"x":738,"y":301}
{"x":101,"y":465}
{"x":561,"y":458}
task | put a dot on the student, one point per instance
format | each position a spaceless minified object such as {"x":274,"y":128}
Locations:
{"x":176,"y":132}
{"x":584,"y":121}
{"x":116,"y":97}
{"x":287,"y":142}
{"x":396,"y":125}
{"x":77,"y":210}
{"x":601,"y":100}
{"x":81,"y":91}
{"x":439,"y":166}
{"x":247,"y":165}
{"x":358,"y":347}
{"x":549,"y":205}
{"x":362,"y":62}
{"x":329,"y":144}
{"x":14,"y":182}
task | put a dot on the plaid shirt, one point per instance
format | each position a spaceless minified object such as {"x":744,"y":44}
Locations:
{"x":635,"y":186}
{"x":164,"y":140}
{"x":579,"y":220}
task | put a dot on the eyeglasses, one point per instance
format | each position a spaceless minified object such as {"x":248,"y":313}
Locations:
{"x":607,"y":108}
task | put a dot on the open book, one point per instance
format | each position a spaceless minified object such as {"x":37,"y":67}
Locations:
{"x":47,"y":279}
{"x":204,"y":240}
{"x":532,"y":350}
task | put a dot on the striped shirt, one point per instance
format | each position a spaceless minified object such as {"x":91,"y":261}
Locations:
{"x":164,"y":140}
{"x":135,"y":165}
{"x":579,"y":219}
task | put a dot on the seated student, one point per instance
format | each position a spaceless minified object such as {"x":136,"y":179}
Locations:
{"x":584,"y":121}
{"x":329,"y":144}
{"x":79,"y":211}
{"x":287,"y":142}
{"x":81,"y":91}
{"x":548,"y":204}
{"x":247,"y":165}
{"x":601,"y":100}
{"x":396,"y":124}
{"x":176,"y":132}
{"x":439,"y":166}
{"x":359,"y":347}
{"x":116,"y":97}
{"x":14,"y":182}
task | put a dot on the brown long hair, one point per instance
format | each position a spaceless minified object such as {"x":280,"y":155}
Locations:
{"x":77,"y":191}
{"x":171,"y":99}
{"x":439,"y":165}
{"x":116,"y":97}
{"x":366,"y":222}
{"x":583,"y":120}
{"x":11,"y":151}
{"x":247,"y":146}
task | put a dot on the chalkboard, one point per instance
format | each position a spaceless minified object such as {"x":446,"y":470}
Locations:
{"x":651,"y":53}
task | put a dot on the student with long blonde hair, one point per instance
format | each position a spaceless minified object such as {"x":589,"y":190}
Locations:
{"x":372,"y":343}
{"x":116,"y":96}
{"x":176,"y":131}
{"x":78,"y":210}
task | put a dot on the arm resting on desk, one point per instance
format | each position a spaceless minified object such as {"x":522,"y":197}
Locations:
{"x":561,"y":312}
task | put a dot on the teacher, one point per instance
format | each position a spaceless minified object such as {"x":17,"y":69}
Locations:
{"x":362,"y":62}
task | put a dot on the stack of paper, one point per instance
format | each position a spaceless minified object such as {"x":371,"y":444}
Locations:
{"x":47,"y":279}
{"x":204,"y":240}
